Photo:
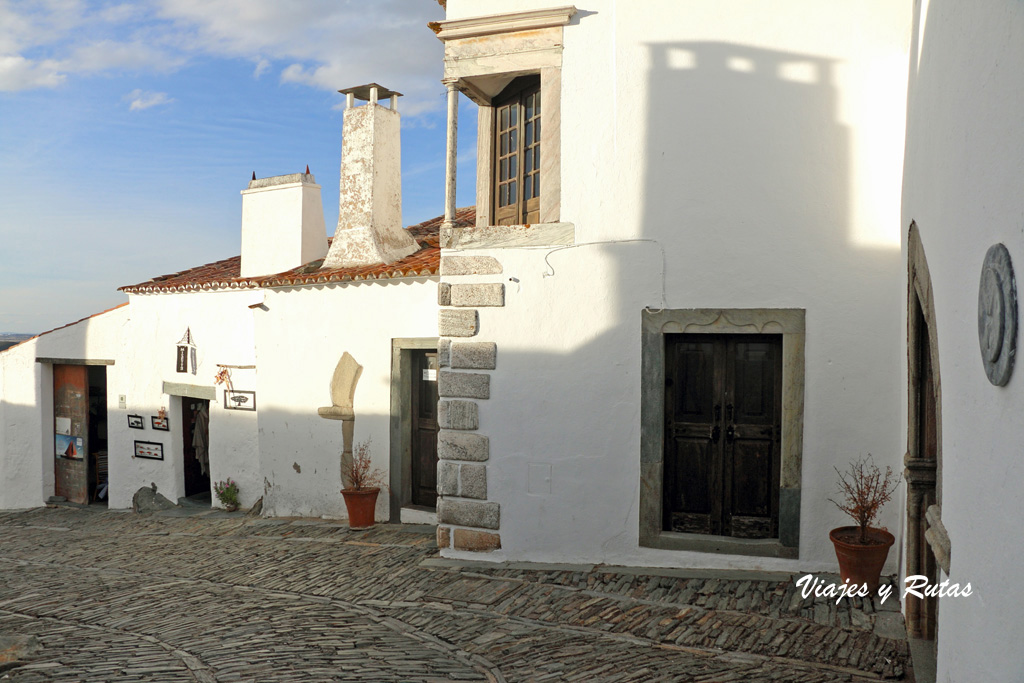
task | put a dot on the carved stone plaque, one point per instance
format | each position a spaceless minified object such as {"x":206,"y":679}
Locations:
{"x":997,"y":315}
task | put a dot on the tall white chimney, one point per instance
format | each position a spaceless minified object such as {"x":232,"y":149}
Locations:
{"x":282,"y":224}
{"x":370,"y":207}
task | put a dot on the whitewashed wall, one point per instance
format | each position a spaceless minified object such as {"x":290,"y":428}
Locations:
{"x":26,"y":401}
{"x":964,"y":166}
{"x":758,"y":147}
{"x":301,"y":335}
{"x":222,"y":327}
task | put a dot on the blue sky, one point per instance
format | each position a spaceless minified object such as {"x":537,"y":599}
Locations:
{"x":128,"y":129}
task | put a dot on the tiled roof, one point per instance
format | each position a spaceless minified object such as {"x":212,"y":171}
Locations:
{"x":226,"y":274}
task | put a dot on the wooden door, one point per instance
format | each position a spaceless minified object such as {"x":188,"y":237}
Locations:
{"x":424,"y":428}
{"x":195,"y":420}
{"x":722,"y":434}
{"x":71,"y":432}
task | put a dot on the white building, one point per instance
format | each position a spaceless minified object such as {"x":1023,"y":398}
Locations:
{"x":720,"y":249}
{"x":703,"y":317}
{"x":135,"y":391}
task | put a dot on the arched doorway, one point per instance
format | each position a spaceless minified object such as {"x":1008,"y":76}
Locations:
{"x":923,"y":461}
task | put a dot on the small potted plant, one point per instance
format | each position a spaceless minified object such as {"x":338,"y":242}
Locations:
{"x":362,"y":484}
{"x":862,"y":549}
{"x":227,"y":494}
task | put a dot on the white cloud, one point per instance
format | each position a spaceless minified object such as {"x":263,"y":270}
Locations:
{"x":327,"y":44}
{"x":142,"y":99}
{"x":261,"y":67}
{"x":18,"y":73}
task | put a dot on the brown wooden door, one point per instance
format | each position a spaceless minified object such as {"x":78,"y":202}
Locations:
{"x":71,"y":432}
{"x":424,"y":428}
{"x":722,"y":434}
{"x":195,"y":420}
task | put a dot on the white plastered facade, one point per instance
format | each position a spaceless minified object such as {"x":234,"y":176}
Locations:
{"x":728,"y":157}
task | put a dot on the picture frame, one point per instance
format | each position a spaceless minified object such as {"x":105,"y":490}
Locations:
{"x":161,"y":423}
{"x":239,"y":400}
{"x":136,"y":422}
{"x":151,"y":450}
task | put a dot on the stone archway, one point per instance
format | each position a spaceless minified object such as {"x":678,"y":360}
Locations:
{"x":923,"y":460}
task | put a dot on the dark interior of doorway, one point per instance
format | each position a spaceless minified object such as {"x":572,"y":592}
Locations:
{"x":97,"y":427}
{"x":424,"y":428}
{"x":195,"y":420}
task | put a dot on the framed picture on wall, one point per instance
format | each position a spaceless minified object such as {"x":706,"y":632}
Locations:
{"x":239,"y":400}
{"x":149,"y":449}
{"x":136,"y":422}
{"x":160,"y":423}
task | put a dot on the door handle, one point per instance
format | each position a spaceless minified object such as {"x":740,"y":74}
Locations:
{"x":716,"y":434}
{"x":728,"y":412}
{"x":718,"y":412}
{"x":730,"y":434}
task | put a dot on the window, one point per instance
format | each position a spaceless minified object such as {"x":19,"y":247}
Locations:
{"x":517,"y":153}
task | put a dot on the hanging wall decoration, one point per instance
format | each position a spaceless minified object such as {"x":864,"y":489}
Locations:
{"x":136,"y":422}
{"x":149,"y":449}
{"x":239,"y":400}
{"x":186,"y":352}
{"x":160,"y":422}
{"x":997,"y":315}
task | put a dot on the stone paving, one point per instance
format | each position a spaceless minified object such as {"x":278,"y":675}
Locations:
{"x":114,"y":596}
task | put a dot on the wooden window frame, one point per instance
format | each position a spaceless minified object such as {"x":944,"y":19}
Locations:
{"x":515,"y":174}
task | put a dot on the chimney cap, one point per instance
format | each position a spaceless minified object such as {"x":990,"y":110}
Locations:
{"x":362,"y":92}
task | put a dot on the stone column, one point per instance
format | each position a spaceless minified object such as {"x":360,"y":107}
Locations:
{"x":451,"y":158}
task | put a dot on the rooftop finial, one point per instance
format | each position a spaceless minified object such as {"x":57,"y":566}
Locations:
{"x":307,"y":169}
{"x":254,"y":175}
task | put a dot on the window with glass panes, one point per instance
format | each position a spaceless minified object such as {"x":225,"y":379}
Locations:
{"x":517,"y":153}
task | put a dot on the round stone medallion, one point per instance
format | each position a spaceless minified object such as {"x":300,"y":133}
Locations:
{"x":997,"y":315}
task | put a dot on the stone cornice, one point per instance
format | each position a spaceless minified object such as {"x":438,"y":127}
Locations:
{"x":473,"y":27}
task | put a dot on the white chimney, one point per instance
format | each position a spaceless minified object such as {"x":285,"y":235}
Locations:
{"x":370,"y":207}
{"x":282,"y":224}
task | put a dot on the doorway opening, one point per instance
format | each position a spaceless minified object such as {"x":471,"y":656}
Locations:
{"x":80,"y":433}
{"x":195,"y":421}
{"x":413,"y":481}
{"x":923,"y":462}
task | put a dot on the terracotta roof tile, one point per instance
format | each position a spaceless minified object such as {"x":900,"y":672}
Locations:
{"x":225,"y":274}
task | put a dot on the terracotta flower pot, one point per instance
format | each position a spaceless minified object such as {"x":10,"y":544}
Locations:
{"x":360,"y":504}
{"x":861,"y":563}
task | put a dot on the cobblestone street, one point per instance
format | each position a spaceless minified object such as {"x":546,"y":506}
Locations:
{"x":218,"y":597}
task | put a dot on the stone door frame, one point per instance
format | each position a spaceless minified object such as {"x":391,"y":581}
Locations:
{"x":400,"y":463}
{"x":923,"y":475}
{"x":655,"y":324}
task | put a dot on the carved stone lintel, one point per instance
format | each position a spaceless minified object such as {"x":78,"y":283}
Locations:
{"x":938,"y":538}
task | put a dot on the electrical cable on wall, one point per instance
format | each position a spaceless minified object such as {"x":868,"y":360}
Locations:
{"x":551,"y":268}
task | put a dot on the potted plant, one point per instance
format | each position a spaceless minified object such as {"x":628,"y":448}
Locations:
{"x":227,"y":494}
{"x":362,"y":484}
{"x":862,"y":549}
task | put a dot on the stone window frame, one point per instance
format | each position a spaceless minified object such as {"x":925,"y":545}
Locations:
{"x":482,"y":56}
{"x":655,"y":324}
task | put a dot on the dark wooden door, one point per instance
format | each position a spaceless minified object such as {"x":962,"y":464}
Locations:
{"x":195,"y":420}
{"x":722,"y":434}
{"x":424,"y":428}
{"x":71,"y":432}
